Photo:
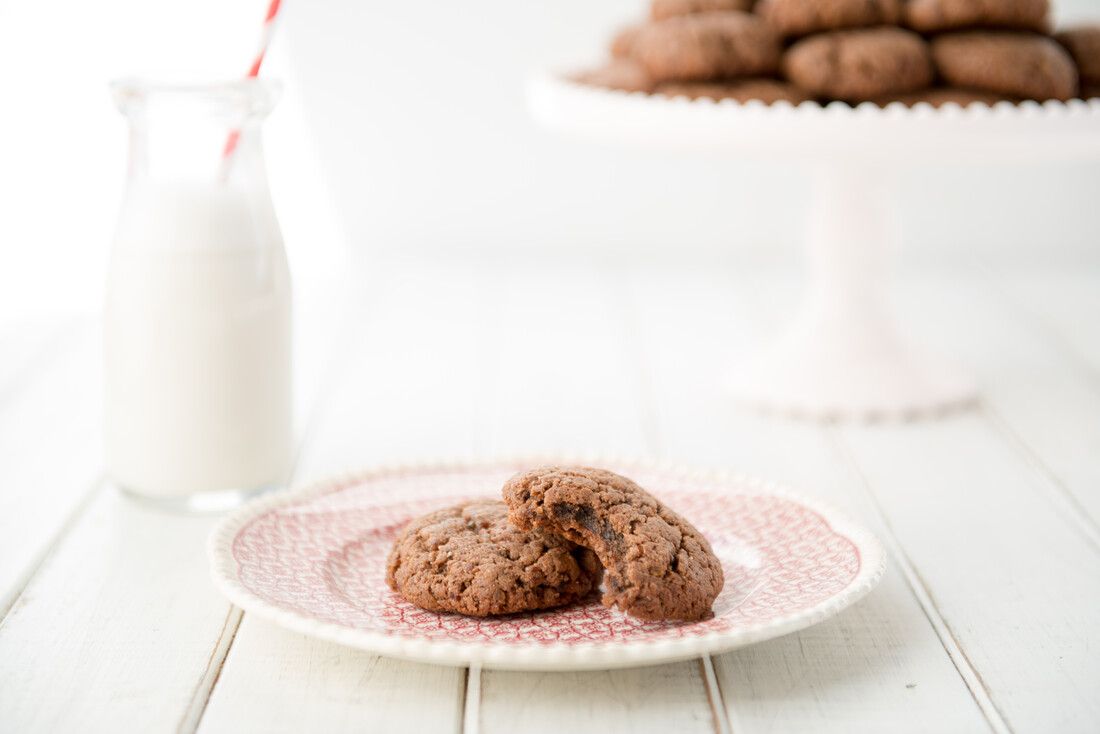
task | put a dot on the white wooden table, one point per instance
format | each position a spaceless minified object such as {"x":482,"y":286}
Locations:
{"x":988,"y":618}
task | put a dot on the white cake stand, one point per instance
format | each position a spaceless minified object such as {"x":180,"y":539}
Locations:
{"x":842,"y":357}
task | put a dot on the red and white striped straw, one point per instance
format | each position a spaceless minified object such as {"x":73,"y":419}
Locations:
{"x":254,"y":70}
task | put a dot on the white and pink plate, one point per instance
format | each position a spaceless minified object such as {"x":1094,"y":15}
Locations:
{"x":313,"y":560}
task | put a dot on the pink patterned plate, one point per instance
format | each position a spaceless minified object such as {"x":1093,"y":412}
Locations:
{"x":313,"y":560}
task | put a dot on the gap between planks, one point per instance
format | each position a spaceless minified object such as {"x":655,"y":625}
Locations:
{"x":201,"y":696}
{"x":714,"y":696}
{"x":1039,"y":324}
{"x":9,"y":600}
{"x":470,"y":717}
{"x":1065,"y":501}
{"x":951,"y":646}
{"x":204,"y":688}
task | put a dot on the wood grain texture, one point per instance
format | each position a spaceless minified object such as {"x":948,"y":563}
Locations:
{"x":993,"y":574}
{"x":1016,"y":586}
{"x":50,"y":440}
{"x":1039,"y":362}
{"x":880,"y":665}
{"x":280,"y":681}
{"x":115,"y":629}
{"x":663,"y":698}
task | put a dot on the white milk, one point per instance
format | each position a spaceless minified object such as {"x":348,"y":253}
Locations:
{"x":197,"y":323}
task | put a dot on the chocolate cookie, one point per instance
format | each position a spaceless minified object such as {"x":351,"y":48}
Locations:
{"x":742,"y":90}
{"x":661,"y":9}
{"x":802,"y":17}
{"x":707,"y":46}
{"x":859,"y":65}
{"x":1017,"y":64}
{"x":622,"y":43}
{"x":933,"y":16}
{"x":617,"y":74}
{"x":944,"y":95}
{"x":1083,"y":44}
{"x":469,"y":559}
{"x":658,"y":565}
{"x":1089,"y":91}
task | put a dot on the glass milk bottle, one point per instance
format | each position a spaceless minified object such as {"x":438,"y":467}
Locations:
{"x":197,"y":320}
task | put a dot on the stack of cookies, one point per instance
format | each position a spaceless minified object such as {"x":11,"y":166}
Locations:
{"x":854,"y":51}
{"x":556,"y":535}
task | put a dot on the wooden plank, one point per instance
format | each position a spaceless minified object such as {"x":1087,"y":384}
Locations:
{"x":296,"y":683}
{"x":998,"y":536}
{"x":115,"y":629}
{"x":665,"y":698}
{"x":1064,"y":303}
{"x":1040,"y":370}
{"x":1015,"y":585}
{"x":879,"y":666}
{"x":50,"y":431}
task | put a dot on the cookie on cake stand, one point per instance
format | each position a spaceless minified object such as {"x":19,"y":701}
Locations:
{"x":843,"y":357}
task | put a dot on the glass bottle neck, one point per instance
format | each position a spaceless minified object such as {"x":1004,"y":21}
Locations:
{"x":196,"y":134}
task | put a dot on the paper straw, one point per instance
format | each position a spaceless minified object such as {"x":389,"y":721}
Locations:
{"x":254,"y":70}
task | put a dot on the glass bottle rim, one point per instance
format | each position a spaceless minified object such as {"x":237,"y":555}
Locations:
{"x":252,"y":95}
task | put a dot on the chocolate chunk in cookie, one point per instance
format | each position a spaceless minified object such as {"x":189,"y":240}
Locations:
{"x":469,"y":559}
{"x":802,"y":17}
{"x":707,"y":46}
{"x":658,"y":565}
{"x":859,"y":65}
{"x":740,"y":90}
{"x":661,"y":9}
{"x":933,"y":16}
{"x":944,"y":95}
{"x":1017,"y":64}
{"x":1083,"y":44}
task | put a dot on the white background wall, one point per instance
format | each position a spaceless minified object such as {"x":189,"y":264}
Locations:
{"x":403,"y":126}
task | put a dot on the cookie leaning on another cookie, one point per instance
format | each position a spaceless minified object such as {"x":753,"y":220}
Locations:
{"x":1083,"y":44}
{"x":802,"y":17}
{"x":706,"y":46}
{"x":470,"y":560}
{"x":1005,"y":62}
{"x":859,"y":65}
{"x":931,"y":16}
{"x":658,"y":566}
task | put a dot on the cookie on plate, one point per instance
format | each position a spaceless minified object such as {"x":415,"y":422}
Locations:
{"x":661,"y":9}
{"x":1083,"y":44}
{"x":617,"y":74}
{"x":859,"y":65}
{"x":740,"y":90}
{"x":470,"y":560}
{"x":944,"y":95}
{"x":658,"y":565}
{"x":1021,"y":65}
{"x":933,"y":16}
{"x":802,"y":17}
{"x":707,"y":46}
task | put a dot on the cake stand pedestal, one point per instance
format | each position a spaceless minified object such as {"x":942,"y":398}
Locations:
{"x":842,"y":357}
